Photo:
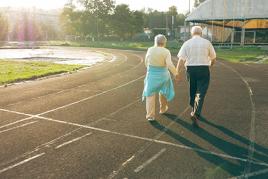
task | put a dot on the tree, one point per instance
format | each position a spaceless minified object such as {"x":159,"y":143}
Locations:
{"x":137,"y":21}
{"x":121,"y":20}
{"x":3,"y":28}
{"x":96,"y":15}
{"x":71,"y":20}
{"x":173,"y":11}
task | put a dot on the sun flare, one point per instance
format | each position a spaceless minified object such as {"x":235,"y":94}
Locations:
{"x":43,"y":4}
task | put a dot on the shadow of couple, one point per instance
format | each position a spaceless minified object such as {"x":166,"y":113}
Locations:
{"x":234,"y":158}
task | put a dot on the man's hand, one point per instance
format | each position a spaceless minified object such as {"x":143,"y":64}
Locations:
{"x":213,"y":62}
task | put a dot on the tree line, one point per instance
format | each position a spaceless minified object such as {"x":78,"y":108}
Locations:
{"x":102,"y":19}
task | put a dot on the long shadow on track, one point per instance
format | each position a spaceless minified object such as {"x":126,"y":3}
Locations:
{"x":230,"y":149}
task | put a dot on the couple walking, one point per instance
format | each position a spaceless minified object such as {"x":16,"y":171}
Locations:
{"x":196,"y":55}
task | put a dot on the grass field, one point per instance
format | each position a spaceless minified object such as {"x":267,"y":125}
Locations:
{"x":237,"y":54}
{"x":246,"y":54}
{"x":15,"y":71}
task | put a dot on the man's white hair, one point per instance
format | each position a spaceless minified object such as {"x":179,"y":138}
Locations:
{"x":196,"y":30}
{"x":160,"y":40}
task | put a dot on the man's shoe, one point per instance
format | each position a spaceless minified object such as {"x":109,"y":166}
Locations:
{"x":194,"y":119}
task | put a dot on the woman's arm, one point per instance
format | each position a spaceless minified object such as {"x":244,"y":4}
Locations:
{"x":146,"y":61}
{"x":170,"y":65}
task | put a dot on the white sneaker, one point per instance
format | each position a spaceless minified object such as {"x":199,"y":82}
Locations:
{"x":151,"y":119}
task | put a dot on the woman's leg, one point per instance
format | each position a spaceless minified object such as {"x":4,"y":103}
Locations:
{"x":150,"y":106}
{"x":163,"y":103}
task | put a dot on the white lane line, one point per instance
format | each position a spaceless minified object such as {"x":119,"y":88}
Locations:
{"x":21,"y":163}
{"x":143,"y":148}
{"x":69,"y":89}
{"x":22,"y":120}
{"x":15,"y":112}
{"x":250,"y":174}
{"x":148,"y":139}
{"x":73,"y":140}
{"x":252,"y":134}
{"x":123,"y":108}
{"x":67,"y":105}
{"x":17,"y":127}
{"x":93,"y":96}
{"x":138,"y":169}
{"x":153,"y":140}
{"x":47,"y":144}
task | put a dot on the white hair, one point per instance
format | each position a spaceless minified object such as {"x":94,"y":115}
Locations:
{"x":160,"y":40}
{"x":196,"y":30}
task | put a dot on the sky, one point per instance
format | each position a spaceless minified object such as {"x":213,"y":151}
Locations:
{"x":161,"y":5}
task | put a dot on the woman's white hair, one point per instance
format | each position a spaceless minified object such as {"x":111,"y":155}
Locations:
{"x":196,"y":30}
{"x":160,"y":40}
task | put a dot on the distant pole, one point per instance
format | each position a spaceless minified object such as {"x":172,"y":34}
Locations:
{"x":173,"y":33}
{"x":166,"y":24}
{"x":189,"y":14}
{"x":243,"y":35}
{"x":185,"y":37}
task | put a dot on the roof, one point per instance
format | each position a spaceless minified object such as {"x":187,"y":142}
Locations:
{"x":230,"y":13}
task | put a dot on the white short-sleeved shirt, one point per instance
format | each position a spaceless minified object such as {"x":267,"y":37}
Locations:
{"x":197,"y":52}
{"x":161,"y":57}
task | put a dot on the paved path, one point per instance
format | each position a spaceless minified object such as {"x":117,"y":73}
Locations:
{"x":91,"y":125}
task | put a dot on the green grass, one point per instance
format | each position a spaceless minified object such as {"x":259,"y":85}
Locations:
{"x":237,"y":54}
{"x":125,"y":45}
{"x":246,"y":54}
{"x":14,"y":71}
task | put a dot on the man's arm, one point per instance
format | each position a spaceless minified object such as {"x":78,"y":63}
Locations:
{"x":212,"y":54}
{"x":180,"y":67}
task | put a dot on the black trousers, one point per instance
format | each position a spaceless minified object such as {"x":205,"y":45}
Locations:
{"x":198,"y":78}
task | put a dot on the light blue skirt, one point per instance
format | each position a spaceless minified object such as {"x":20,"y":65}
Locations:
{"x":158,"y":80}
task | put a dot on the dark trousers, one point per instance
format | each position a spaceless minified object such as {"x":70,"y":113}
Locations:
{"x":198,"y":78}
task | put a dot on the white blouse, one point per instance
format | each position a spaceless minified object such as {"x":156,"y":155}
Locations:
{"x":160,"y":57}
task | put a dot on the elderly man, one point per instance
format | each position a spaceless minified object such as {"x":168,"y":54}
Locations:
{"x":158,"y":79}
{"x":197,"y":55}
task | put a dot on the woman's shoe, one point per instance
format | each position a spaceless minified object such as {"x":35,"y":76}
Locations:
{"x":163,"y":112}
{"x":150,"y":119}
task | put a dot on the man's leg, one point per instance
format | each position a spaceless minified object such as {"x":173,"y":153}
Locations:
{"x":192,"y":86}
{"x":150,"y":106}
{"x":163,"y":103}
{"x":202,"y":87}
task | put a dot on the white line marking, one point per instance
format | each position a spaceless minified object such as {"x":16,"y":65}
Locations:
{"x":17,"y":127}
{"x":143,"y":148}
{"x":250,"y":174}
{"x":251,"y":147}
{"x":128,"y":160}
{"x":15,"y":112}
{"x":138,"y":169}
{"x":47,"y":144}
{"x":63,"y":90}
{"x":152,"y":140}
{"x":73,"y":140}
{"x":22,"y":120}
{"x":20,"y":163}
{"x":123,"y":108}
{"x":93,"y":96}
{"x":147,"y":139}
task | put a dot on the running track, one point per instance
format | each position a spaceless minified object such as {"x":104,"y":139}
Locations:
{"x":91,"y":124}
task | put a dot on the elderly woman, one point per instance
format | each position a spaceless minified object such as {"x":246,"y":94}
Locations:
{"x":158,"y":79}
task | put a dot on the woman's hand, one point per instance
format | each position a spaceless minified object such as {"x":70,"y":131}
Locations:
{"x":178,"y":78}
